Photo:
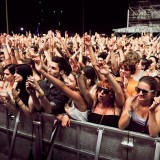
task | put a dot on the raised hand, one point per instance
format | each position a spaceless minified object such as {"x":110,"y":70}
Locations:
{"x":15,"y":93}
{"x":125,"y":82}
{"x":103,"y":69}
{"x":155,"y":103}
{"x":87,"y":40}
{"x":32,"y":83}
{"x":74,"y":65}
{"x":29,"y":88}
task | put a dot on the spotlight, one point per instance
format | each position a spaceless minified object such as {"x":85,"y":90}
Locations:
{"x":22,"y":29}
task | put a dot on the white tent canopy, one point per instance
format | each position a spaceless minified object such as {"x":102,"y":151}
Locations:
{"x":139,"y":29}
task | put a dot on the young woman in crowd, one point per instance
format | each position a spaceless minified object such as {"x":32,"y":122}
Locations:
{"x":141,"y":68}
{"x":142,"y":112}
{"x":152,"y":71}
{"x":20,"y":92}
{"x":9,"y":71}
{"x":106,"y":107}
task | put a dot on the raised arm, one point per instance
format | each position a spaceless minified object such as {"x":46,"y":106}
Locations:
{"x":87,"y":40}
{"x":119,"y":96}
{"x":81,"y":83}
{"x":126,"y":114}
{"x":154,"y":118}
{"x":74,"y":95}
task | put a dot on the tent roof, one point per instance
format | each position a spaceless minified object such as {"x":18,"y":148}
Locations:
{"x":138,"y":29}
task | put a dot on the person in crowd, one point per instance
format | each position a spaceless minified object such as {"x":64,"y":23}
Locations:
{"x":141,"y":68}
{"x":9,"y":80}
{"x":21,"y":94}
{"x":91,"y":78}
{"x":127,"y":69}
{"x":106,"y":107}
{"x":101,"y":58}
{"x":142,"y":112}
{"x":76,"y":108}
{"x":152,"y":71}
{"x":51,"y":98}
{"x":36,"y":74}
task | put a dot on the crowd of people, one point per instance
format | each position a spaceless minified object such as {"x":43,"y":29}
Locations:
{"x":107,"y":80}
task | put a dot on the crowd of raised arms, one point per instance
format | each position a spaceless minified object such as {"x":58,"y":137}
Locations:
{"x":107,"y":80}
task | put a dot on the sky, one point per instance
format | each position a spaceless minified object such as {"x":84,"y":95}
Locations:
{"x":66,"y":15}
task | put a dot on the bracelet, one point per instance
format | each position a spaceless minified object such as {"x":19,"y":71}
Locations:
{"x":17,"y":100}
{"x":130,"y":113}
{"x":21,"y":104}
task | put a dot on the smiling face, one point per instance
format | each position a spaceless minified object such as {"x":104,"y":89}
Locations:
{"x":124,"y":72}
{"x":70,"y":82}
{"x":101,"y":61}
{"x":144,"y":92}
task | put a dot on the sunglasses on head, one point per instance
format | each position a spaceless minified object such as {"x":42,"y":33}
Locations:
{"x":105,"y":91}
{"x":144,"y":92}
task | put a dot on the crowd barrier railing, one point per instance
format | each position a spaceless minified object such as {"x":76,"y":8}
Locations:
{"x":41,"y":137}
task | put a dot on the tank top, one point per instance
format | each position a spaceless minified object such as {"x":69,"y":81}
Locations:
{"x":137,"y":78}
{"x":138,"y":124}
{"x":108,"y":120}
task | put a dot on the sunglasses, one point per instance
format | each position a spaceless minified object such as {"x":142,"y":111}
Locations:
{"x":105,"y":91}
{"x":144,"y":92}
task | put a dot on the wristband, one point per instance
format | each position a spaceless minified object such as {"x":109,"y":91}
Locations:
{"x":17,"y":100}
{"x":130,"y":113}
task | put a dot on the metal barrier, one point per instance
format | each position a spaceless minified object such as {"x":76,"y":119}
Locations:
{"x":39,"y":138}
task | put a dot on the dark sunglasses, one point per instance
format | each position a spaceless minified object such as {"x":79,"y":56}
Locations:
{"x":105,"y":91}
{"x":144,"y":92}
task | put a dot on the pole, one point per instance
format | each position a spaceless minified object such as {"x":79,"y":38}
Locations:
{"x":128,"y":18}
{"x":6,"y":7}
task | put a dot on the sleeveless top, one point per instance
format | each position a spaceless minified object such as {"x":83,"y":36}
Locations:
{"x":108,"y":120}
{"x":75,"y":114}
{"x":138,"y":124}
{"x":155,"y":73}
{"x":137,"y":78}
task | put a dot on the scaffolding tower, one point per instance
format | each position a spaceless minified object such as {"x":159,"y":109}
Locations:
{"x":143,"y":16}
